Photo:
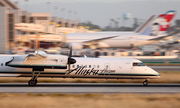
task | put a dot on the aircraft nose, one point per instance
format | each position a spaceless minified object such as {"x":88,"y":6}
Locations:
{"x":154,"y":72}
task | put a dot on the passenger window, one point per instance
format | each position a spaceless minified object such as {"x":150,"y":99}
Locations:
{"x":1,"y":64}
{"x":73,"y":66}
{"x":97,"y":66}
{"x":77,"y":66}
{"x":94,"y":66}
{"x":107,"y":66}
{"x":85,"y":66}
{"x":89,"y":66}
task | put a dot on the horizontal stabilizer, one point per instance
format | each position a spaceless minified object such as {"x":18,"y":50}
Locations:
{"x":163,"y":37}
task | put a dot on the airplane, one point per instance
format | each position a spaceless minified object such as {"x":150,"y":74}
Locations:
{"x":39,"y":64}
{"x":152,"y":32}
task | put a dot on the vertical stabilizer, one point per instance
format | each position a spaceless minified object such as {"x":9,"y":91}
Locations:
{"x":160,"y":24}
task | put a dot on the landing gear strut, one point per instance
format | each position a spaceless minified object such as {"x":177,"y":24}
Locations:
{"x":33,"y":81}
{"x":145,"y":83}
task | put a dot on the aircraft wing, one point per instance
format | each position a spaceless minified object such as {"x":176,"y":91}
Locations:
{"x":37,"y":60}
{"x":96,"y":41}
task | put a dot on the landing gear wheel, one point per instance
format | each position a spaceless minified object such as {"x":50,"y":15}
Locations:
{"x":32,"y":82}
{"x":145,"y":83}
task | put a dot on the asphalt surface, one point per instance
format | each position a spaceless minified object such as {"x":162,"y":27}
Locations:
{"x":167,"y":68}
{"x":89,"y":88}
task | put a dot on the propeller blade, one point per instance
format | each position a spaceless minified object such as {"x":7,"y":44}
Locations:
{"x":70,"y":53}
{"x":69,"y":60}
{"x":69,"y":69}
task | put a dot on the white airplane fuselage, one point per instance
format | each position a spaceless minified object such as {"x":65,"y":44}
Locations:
{"x":109,"y":68}
{"x":123,"y":40}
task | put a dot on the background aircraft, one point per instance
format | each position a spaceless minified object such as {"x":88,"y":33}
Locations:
{"x":39,"y":64}
{"x":154,"y":31}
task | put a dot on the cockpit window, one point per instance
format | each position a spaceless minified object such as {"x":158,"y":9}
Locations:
{"x":142,"y":64}
{"x":139,"y":64}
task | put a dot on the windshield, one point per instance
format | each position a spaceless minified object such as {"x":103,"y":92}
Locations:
{"x":139,"y":64}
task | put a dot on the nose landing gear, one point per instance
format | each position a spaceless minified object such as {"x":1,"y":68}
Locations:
{"x":33,"y":81}
{"x":145,"y":83}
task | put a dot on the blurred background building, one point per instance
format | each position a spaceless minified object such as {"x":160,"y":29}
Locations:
{"x":20,"y":28}
{"x":25,"y":30}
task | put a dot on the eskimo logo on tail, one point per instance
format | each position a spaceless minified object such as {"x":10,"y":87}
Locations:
{"x":160,"y":25}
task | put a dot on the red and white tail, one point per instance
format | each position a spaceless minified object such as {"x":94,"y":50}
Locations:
{"x":160,"y":25}
{"x":166,"y":22}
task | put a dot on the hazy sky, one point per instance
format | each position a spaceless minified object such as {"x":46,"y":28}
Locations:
{"x":101,"y":11}
{"x":104,"y":1}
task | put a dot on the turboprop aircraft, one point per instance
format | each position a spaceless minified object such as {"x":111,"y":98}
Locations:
{"x":153,"y":32}
{"x":39,"y":64}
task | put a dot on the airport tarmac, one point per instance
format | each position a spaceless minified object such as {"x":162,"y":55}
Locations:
{"x":89,"y":88}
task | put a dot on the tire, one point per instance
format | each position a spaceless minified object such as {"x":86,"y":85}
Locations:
{"x":31,"y":82}
{"x":145,"y":83}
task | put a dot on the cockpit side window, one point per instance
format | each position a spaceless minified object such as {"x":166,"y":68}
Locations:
{"x":138,"y":64}
{"x":142,"y":64}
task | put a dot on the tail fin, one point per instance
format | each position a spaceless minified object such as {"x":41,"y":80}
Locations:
{"x":160,"y":24}
{"x":166,"y":22}
{"x":144,"y":25}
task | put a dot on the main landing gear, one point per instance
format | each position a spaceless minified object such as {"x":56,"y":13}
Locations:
{"x":145,"y":83}
{"x":33,"y":81}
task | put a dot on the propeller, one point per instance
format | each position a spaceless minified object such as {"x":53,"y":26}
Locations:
{"x":70,"y":61}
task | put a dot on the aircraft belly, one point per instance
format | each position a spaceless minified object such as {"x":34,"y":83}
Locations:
{"x":118,"y":43}
{"x":63,"y":75}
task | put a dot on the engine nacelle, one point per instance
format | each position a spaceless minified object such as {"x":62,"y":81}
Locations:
{"x":103,"y":45}
{"x":76,"y":46}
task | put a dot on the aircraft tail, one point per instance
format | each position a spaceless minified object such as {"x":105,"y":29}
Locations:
{"x":160,"y":24}
{"x":167,"y":21}
{"x":144,"y":24}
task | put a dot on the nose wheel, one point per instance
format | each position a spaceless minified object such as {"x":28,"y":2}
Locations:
{"x":145,"y":83}
{"x":33,"y":81}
